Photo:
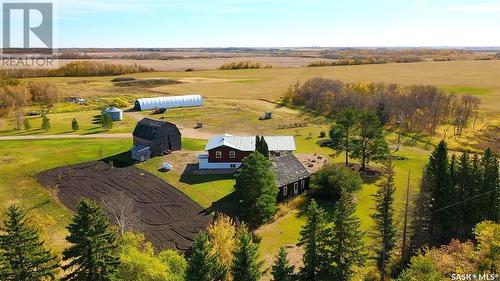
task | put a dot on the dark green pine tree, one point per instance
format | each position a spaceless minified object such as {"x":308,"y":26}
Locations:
{"x":256,"y":189}
{"x":438,"y":177}
{"x":312,"y":239}
{"x":202,"y":264}
{"x":346,"y":240}
{"x":282,"y":270}
{"x":74,"y":125}
{"x":421,"y":217}
{"x":90,"y":256}
{"x":460,"y":180}
{"x":5,"y":270}
{"x":384,"y":230}
{"x":23,"y":255}
{"x":490,"y":183}
{"x":261,"y":146}
{"x":246,"y":261}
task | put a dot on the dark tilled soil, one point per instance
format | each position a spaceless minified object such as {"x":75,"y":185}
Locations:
{"x":170,"y":219}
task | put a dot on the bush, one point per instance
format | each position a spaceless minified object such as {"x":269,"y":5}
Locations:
{"x":332,"y":179}
{"x":322,"y":134}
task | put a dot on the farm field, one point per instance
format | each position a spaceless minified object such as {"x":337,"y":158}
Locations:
{"x":234,"y":102}
{"x":168,"y":218}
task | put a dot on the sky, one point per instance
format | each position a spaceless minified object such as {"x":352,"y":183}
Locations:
{"x":277,"y":23}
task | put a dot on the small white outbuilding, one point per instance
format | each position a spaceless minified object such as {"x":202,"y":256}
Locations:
{"x":168,"y":102}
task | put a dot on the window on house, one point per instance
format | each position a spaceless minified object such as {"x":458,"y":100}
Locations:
{"x":302,"y":184}
{"x":285,"y":191}
{"x":232,"y":154}
{"x":232,"y":165}
{"x":218,"y":154}
{"x":296,"y":188}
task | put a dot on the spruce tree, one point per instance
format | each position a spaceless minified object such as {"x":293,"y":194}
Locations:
{"x":282,"y":270}
{"x":346,"y":240}
{"x":246,"y":261}
{"x":23,"y":256}
{"x":90,"y":255}
{"x":312,"y":239}
{"x":438,"y":177}
{"x":27,"y":124}
{"x":256,"y":189}
{"x":45,"y":123}
{"x":421,"y":217}
{"x":490,"y":183}
{"x":202,"y":264}
{"x":74,"y":125}
{"x":384,"y":230}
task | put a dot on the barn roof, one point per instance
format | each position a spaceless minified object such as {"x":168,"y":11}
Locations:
{"x":288,"y":169}
{"x":150,"y":129}
{"x":247,"y":143}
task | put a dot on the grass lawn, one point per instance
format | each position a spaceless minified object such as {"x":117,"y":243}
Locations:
{"x":20,"y":161}
{"x":60,"y":123}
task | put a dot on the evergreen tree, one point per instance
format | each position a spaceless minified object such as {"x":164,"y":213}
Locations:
{"x":203,"y":265}
{"x":312,"y":238}
{"x":384,"y":229}
{"x":256,"y":189}
{"x":438,"y":177}
{"x":422,"y":217}
{"x":90,"y":255}
{"x":282,"y":270}
{"x":246,"y":261}
{"x":342,"y":131}
{"x":27,"y":124}
{"x":106,"y":121}
{"x":261,"y":146}
{"x":23,"y":256}
{"x":45,"y":123}
{"x":490,"y":183}
{"x":369,"y":144}
{"x":346,"y":240}
{"x":74,"y":125}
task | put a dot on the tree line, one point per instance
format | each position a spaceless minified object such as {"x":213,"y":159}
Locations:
{"x":77,"y":69}
{"x":243,"y":65}
{"x":419,"y":108}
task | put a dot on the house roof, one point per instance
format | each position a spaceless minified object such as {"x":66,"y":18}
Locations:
{"x":288,"y":169}
{"x":247,"y":143}
{"x":150,"y":129}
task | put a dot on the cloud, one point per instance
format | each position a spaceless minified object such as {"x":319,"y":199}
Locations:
{"x":479,"y":7}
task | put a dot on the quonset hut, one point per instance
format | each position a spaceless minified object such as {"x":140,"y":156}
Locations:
{"x":168,"y":102}
{"x":159,"y":136}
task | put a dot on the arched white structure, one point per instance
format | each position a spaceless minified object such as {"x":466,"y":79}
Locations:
{"x":168,"y":102}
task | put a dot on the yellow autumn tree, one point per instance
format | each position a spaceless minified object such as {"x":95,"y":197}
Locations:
{"x":221,"y":233}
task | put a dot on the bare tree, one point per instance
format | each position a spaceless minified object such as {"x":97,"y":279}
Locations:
{"x":43,"y":94}
{"x":123,"y":209}
{"x":13,"y":99}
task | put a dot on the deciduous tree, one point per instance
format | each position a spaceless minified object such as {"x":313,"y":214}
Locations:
{"x":331,"y":179}
{"x":342,"y":131}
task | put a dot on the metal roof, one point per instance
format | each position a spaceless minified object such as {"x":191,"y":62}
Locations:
{"x":113,"y":109}
{"x":170,"y":102}
{"x":247,"y":143}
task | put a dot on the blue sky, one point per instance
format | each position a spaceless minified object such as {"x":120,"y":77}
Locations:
{"x":277,"y":23}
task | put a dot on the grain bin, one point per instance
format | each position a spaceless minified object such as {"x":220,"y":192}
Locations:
{"x":115,"y":113}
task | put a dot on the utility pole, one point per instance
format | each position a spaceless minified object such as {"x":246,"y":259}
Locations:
{"x":405,"y":222}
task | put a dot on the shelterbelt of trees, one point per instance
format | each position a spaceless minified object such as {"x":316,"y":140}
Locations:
{"x":419,"y":108}
{"x":77,"y":69}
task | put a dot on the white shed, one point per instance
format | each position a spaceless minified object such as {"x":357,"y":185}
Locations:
{"x":168,"y":102}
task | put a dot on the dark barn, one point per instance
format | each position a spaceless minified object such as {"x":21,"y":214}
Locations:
{"x":159,"y":136}
{"x":291,"y":176}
